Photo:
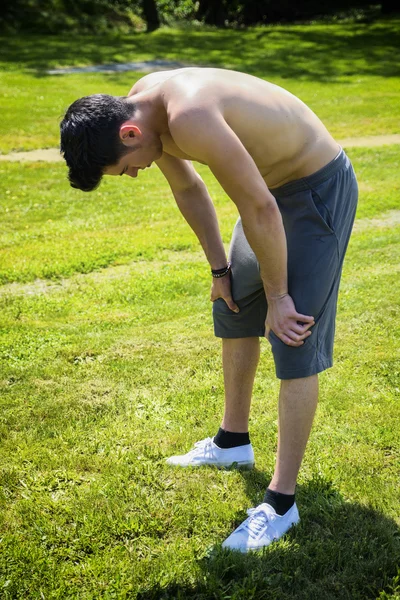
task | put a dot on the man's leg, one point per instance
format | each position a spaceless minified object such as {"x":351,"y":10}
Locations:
{"x":297,"y":404}
{"x":231,"y":446}
{"x":278,"y":512}
{"x":240,"y":358}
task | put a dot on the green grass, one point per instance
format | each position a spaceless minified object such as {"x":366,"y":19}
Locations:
{"x":106,"y":371}
{"x":320,"y":52}
{"x":108,"y":363}
{"x":348,"y":74}
{"x":55,"y":231}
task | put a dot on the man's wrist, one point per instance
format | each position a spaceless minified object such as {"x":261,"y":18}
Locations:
{"x":218,"y":264}
{"x":275,"y":296}
{"x":275,"y":290}
{"x":217,"y":273}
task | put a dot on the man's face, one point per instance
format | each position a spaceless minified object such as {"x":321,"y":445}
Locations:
{"x":131,"y":163}
{"x":143,"y":149}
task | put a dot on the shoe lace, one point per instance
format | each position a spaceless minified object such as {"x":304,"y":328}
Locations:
{"x":256,"y":523}
{"x":206,"y":445}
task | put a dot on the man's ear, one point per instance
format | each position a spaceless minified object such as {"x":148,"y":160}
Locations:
{"x":128,"y":132}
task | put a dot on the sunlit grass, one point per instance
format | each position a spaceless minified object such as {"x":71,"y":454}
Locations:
{"x":50,"y":230}
{"x":348,"y":74}
{"x":108,"y":363}
{"x":106,"y":371}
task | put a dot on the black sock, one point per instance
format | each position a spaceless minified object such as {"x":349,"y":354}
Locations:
{"x":280,"y":502}
{"x":228,"y":439}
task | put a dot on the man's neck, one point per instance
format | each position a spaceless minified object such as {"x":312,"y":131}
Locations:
{"x":151,"y":110}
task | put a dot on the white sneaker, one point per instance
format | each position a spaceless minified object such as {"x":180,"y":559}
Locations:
{"x":262,"y":527}
{"x":208,"y":453}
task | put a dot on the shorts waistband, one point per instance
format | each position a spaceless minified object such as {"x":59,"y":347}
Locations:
{"x":311,"y":181}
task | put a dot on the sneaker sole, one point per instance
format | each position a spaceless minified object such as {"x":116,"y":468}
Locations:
{"x":228,"y":467}
{"x":239,"y":466}
{"x":260,"y":549}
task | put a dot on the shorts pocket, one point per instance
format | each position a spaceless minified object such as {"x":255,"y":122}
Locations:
{"x":319,"y":209}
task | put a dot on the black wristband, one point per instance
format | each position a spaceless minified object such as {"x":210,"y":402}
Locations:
{"x":217,"y":273}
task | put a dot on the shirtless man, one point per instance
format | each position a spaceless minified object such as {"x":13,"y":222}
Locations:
{"x":296,"y":194}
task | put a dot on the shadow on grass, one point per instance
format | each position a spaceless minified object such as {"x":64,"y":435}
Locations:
{"x":317,"y":52}
{"x":339,"y":550}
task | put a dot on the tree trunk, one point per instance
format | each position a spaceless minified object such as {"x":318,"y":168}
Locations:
{"x":212,"y":11}
{"x":150,"y":13}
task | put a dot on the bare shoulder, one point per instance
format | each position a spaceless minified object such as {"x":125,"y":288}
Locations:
{"x":185,"y":91}
{"x":187,"y":105}
{"x":193,"y":122}
{"x":143,"y":83}
{"x":158,"y":77}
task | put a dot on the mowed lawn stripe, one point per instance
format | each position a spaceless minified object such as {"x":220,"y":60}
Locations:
{"x":50,"y":230}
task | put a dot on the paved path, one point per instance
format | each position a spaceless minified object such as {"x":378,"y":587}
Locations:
{"x":49,"y":155}
{"x":53,"y":154}
{"x":145,"y":66}
{"x":370,"y":140}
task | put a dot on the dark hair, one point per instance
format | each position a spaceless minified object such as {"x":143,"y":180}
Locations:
{"x":90,"y":137}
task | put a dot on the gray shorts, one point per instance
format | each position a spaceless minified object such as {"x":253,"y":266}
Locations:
{"x":318,"y":214}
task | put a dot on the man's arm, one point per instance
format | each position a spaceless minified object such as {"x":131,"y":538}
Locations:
{"x":195,"y":204}
{"x":206,"y":135}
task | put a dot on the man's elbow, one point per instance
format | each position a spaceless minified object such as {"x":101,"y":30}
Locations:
{"x":189,"y":188}
{"x":258,"y":209}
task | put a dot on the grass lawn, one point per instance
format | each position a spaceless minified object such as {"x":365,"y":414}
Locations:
{"x":108,"y":365}
{"x":349,"y":73}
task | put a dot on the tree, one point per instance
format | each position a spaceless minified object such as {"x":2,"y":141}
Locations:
{"x":150,"y":13}
{"x":212,"y":11}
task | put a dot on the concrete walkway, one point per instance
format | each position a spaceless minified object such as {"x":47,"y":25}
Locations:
{"x":370,"y":140}
{"x":53,"y":154}
{"x":144,"y":66}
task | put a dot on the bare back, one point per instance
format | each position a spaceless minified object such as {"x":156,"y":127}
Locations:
{"x":285,"y":139}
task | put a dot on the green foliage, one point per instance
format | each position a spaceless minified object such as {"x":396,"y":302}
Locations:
{"x":54,"y":16}
{"x":172,"y":11}
{"x":251,"y":12}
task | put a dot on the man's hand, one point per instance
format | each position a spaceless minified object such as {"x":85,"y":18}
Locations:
{"x":288,"y":325}
{"x":221,"y":288}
